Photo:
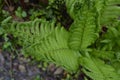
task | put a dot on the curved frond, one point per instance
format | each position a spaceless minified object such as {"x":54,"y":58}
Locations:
{"x":73,"y":7}
{"x":45,"y":41}
{"x":111,"y":12}
{"x":97,"y":69}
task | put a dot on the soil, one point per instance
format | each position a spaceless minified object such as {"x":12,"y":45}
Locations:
{"x":18,"y":67}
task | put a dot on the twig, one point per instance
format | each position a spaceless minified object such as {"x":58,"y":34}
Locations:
{"x":7,"y":3}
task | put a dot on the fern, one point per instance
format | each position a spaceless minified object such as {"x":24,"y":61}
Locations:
{"x":84,"y":27}
{"x":49,"y":41}
{"x":105,"y":55}
{"x":110,"y":39}
{"x":111,"y":12}
{"x":73,"y":7}
{"x":97,"y":69}
{"x":44,"y":41}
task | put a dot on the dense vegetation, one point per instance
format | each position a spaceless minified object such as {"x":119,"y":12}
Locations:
{"x":81,"y":36}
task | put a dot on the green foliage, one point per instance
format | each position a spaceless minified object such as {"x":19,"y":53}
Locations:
{"x":110,"y":39}
{"x":37,"y":78}
{"x":20,"y":13}
{"x":48,"y":43}
{"x":35,"y":13}
{"x":97,"y":69}
{"x":0,"y":9}
{"x":3,"y":13}
{"x":85,"y":44}
{"x":84,"y":27}
{"x":110,"y":12}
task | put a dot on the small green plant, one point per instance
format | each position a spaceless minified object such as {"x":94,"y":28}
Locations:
{"x":4,"y":14}
{"x":20,"y":13}
{"x":34,"y":14}
{"x":91,"y":42}
{"x":37,"y":77}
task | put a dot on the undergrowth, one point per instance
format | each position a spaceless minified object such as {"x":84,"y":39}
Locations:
{"x":91,"y":45}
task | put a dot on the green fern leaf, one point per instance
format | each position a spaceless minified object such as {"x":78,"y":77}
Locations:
{"x":84,"y":28}
{"x":111,"y":12}
{"x":73,"y":7}
{"x":105,"y":55}
{"x":42,"y":40}
{"x":82,"y":35}
{"x":97,"y":69}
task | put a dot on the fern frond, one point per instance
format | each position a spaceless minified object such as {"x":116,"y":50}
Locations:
{"x":116,"y":65}
{"x":113,"y":2}
{"x":73,"y":7}
{"x":105,"y":55}
{"x":110,"y":40}
{"x":45,"y":41}
{"x":97,"y":69}
{"x":111,"y":12}
{"x":84,"y":28}
{"x":82,"y":35}
{"x":26,"y":32}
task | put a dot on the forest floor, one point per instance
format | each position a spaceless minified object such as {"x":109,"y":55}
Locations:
{"x":17,"y":67}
